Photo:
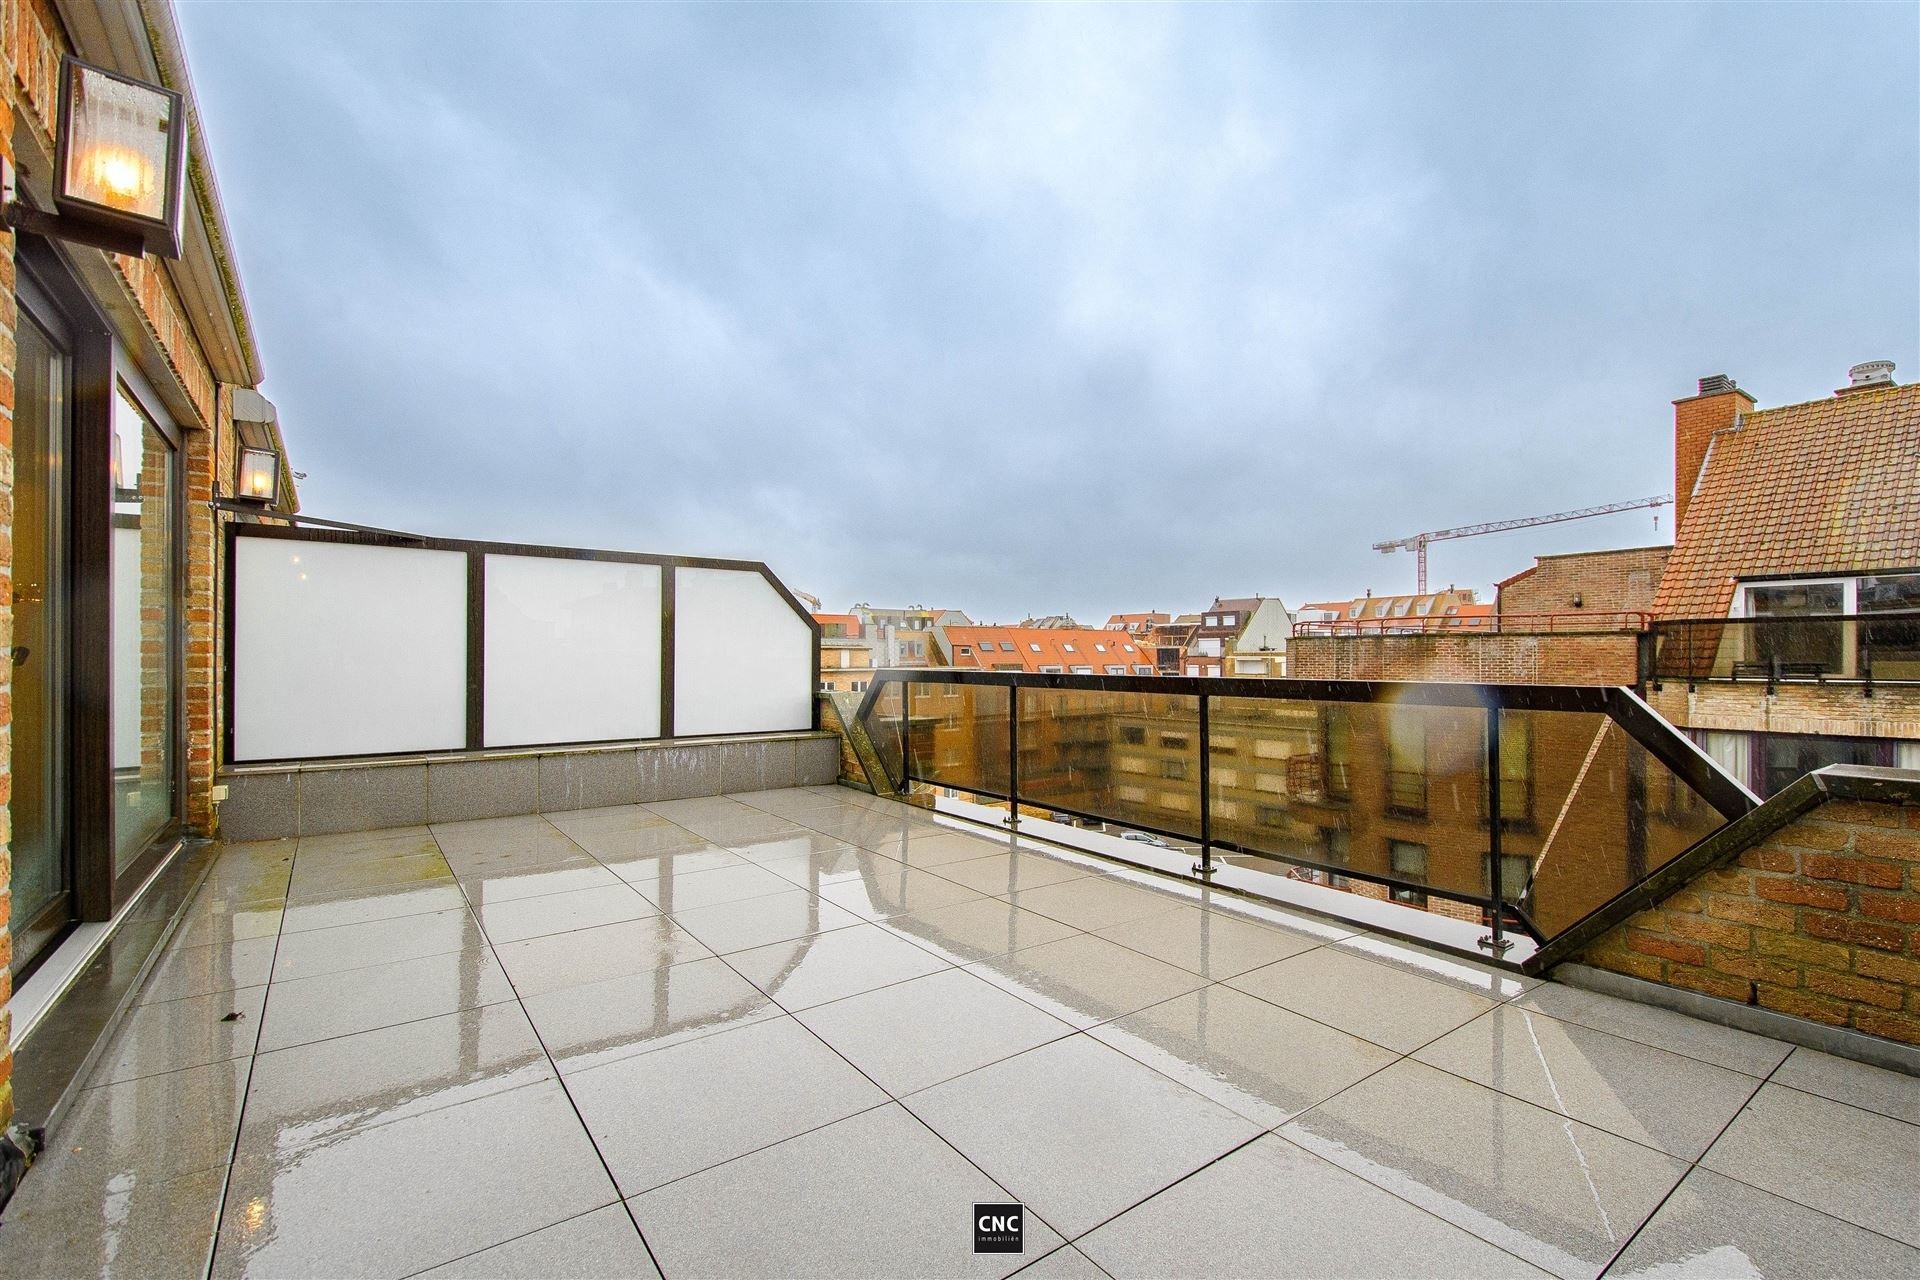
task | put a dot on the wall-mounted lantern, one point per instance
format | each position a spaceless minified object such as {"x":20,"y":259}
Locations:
{"x":120,"y":153}
{"x":258,"y":477}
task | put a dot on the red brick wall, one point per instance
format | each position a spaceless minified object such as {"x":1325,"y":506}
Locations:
{"x":1480,"y":659}
{"x":1820,"y":920}
{"x":1603,"y":581}
{"x":1695,"y":419}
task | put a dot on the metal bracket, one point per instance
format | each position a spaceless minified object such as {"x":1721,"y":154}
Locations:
{"x":1499,"y":946}
{"x":24,"y":217}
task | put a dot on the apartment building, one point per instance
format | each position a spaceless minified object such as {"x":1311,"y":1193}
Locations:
{"x":1240,"y":636}
{"x":1787,"y":624}
{"x":1169,"y":640}
{"x":846,"y":654}
{"x":1138,"y":625}
{"x":913,"y":636}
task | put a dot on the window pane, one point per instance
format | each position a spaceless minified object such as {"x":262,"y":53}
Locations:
{"x":145,"y":622}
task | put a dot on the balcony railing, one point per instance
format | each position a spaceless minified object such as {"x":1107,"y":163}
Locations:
{"x":1869,"y":648}
{"x":1277,"y":783}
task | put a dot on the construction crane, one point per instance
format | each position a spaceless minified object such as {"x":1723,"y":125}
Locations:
{"x":1418,"y":542}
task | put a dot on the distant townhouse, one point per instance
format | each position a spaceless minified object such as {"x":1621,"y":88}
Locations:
{"x":1240,"y":636}
{"x":1169,"y":642}
{"x":846,"y":655}
{"x":908,"y":637}
{"x":1787,"y":624}
{"x":1138,"y":625}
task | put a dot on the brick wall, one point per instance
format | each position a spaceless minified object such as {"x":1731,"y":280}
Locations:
{"x":1695,"y":419}
{"x":1843,"y":710}
{"x":1603,"y":581}
{"x":1482,"y":659}
{"x":1821,"y":920}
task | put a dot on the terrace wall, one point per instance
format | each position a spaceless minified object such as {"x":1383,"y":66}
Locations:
{"x":1819,"y":919}
{"x":1504,"y":658}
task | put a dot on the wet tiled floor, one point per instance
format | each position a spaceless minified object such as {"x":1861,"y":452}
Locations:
{"x":803,"y":1032}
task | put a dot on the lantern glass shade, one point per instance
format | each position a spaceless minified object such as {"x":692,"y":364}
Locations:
{"x":259,"y":479}
{"x":120,"y":149}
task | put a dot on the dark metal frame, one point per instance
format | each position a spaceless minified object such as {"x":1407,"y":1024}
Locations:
{"x":332,"y":531}
{"x":1774,"y":673}
{"x":162,"y":236}
{"x":1622,"y":706}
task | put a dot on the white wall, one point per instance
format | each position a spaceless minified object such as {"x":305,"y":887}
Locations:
{"x":572,"y":650}
{"x":743,"y":659}
{"x":345,"y":649}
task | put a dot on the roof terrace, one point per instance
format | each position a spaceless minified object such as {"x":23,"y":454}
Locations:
{"x":804,"y":1031}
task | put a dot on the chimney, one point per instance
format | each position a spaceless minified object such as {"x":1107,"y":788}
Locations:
{"x":1716,"y":407}
{"x":1869,"y":375}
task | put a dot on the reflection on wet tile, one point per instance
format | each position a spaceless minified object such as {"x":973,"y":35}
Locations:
{"x":1085,"y":980}
{"x":1561,"y":1194}
{"x":547,"y":963}
{"x":915,"y":1034}
{"x":318,"y":881}
{"x":384,"y":904}
{"x":1661,"y":1028}
{"x":601,"y":1245}
{"x":219,"y":923}
{"x":587,"y":1025}
{"x":1094,"y":903}
{"x":893,"y":890}
{"x":1714,"y":1226}
{"x":502,"y":883}
{"x":316,"y":1092}
{"x":684,"y":859}
{"x":1457,"y":972}
{"x":1854,"y":1083}
{"x":199,"y":971}
{"x":928,"y":847}
{"x":396,"y":1198}
{"x":529,"y":834}
{"x":676,"y":889}
{"x":756,"y":922}
{"x":676,"y":1111}
{"x":1247,"y":1055}
{"x":830,"y":966}
{"x":978,"y":929}
{"x":1223,"y":1222}
{"x":339,"y":1004}
{"x":1206,"y":942}
{"x":137,"y":1225}
{"x":620,"y":817}
{"x":357,"y":946}
{"x":155,"y":1126}
{"x":1385,"y":1005}
{"x":182,"y":1033}
{"x":1853,"y":1164}
{"x":349,"y":846}
{"x":1660,"y":1099}
{"x":791,"y":1209}
{"x":1077,"y":1132}
{"x":520,"y":918}
{"x":1002,"y":873}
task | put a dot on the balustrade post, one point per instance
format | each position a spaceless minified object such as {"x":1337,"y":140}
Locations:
{"x":1204,"y":867}
{"x":1013,"y":757}
{"x":1496,"y":941}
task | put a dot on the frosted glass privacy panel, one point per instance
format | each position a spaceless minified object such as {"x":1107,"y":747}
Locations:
{"x":573,"y":651}
{"x":341,"y":649}
{"x":742,"y":658}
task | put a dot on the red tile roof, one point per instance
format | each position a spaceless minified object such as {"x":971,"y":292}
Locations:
{"x":1831,"y":486}
{"x":1037,"y":647}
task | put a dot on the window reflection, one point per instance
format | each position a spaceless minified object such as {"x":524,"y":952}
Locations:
{"x":144,"y":627}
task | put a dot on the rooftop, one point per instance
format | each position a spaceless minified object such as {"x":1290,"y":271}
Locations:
{"x":1036,"y":647}
{"x":1829,"y":486}
{"x":803,"y":1031}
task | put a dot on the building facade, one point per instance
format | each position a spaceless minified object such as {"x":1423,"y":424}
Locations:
{"x":1240,"y":636}
{"x":1786,"y":633}
{"x":1088,"y":651}
{"x":129,"y":382}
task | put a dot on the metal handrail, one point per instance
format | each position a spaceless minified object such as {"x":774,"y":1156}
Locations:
{"x":1621,"y":706}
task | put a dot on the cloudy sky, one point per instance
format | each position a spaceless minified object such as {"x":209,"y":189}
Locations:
{"x":1028,"y":310}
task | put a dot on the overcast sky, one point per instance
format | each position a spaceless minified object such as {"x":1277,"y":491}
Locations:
{"x":1031,"y":310}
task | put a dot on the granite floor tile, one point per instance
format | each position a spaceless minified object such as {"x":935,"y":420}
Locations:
{"x":804,"y":972}
{"x":1376,"y":1002}
{"x":552,"y":961}
{"x":673,"y":1112}
{"x":587,"y":1025}
{"x":601,"y":1245}
{"x":173,"y":1034}
{"x":1084,"y":980}
{"x":1078,"y":1132}
{"x":520,"y":918}
{"x":1855,"y":1083}
{"x":1206,"y":942}
{"x":874,"y":1195}
{"x":359,"y":946}
{"x":338,"y":1004}
{"x":759,"y":922}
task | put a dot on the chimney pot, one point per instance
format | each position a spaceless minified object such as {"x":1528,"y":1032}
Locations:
{"x":1716,"y":384}
{"x":1869,"y":373}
